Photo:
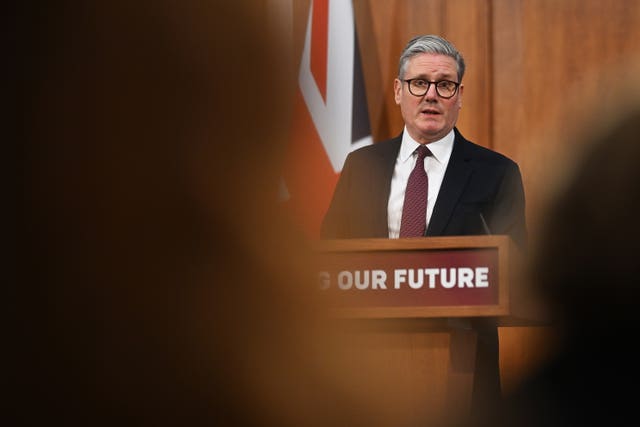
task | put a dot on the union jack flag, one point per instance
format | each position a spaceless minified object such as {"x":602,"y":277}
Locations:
{"x":330,"y":116}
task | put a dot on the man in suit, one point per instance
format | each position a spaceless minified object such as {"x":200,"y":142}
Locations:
{"x":470,"y":190}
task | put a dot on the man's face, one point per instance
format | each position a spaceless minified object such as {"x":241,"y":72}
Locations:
{"x":428,"y":117}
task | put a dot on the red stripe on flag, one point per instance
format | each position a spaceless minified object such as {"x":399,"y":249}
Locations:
{"x":319,"y":44}
{"x":308,"y":173}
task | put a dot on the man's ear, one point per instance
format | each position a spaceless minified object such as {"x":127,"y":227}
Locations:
{"x":460,"y":90}
{"x":397,"y":90}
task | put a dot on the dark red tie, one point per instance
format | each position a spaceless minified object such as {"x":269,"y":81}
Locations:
{"x":414,"y":210}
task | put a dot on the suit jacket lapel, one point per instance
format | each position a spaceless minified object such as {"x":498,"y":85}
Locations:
{"x":455,"y":180}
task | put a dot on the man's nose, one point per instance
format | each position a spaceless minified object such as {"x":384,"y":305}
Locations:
{"x":432,"y":93}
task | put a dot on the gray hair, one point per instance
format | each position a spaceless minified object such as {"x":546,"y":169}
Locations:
{"x":430,"y":44}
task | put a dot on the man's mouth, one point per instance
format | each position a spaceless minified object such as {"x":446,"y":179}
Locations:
{"x":430,"y":111}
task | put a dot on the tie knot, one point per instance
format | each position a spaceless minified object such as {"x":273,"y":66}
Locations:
{"x":423,"y":152}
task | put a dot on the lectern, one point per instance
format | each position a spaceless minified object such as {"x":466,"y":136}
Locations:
{"x":407,"y":303}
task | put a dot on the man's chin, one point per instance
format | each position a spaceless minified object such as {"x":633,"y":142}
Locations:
{"x":432,"y":132}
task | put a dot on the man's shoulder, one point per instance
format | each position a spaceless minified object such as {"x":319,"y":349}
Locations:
{"x":471,"y":150}
{"x":389,"y":147}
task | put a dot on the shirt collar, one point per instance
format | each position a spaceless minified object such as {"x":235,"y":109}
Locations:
{"x":441,"y":149}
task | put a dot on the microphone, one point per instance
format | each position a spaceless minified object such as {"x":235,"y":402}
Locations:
{"x":484,"y":225}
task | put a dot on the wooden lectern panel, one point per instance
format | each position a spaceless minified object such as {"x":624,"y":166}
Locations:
{"x":404,"y":305}
{"x":426,"y":366}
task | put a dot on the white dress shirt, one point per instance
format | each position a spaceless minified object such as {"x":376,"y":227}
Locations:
{"x":435,"y":166}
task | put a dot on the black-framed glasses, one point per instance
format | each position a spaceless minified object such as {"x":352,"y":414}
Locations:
{"x":444,"y":88}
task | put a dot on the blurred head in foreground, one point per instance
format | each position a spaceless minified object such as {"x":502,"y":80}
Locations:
{"x":586,"y":269}
{"x":159,"y":283}
{"x":586,"y":264}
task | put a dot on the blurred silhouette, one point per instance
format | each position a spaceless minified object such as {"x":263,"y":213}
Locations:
{"x":158,"y":282}
{"x":586,"y":269}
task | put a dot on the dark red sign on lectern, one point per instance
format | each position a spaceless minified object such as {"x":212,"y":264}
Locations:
{"x":432,"y":277}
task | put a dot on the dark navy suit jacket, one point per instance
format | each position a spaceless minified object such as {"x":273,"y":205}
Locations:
{"x":479,"y":184}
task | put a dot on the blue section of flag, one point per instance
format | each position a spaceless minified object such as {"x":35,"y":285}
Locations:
{"x":360,"y":125}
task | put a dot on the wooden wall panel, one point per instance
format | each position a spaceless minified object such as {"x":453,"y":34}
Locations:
{"x":550,"y":59}
{"x":467,"y":25}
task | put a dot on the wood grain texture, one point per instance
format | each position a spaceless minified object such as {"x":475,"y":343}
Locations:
{"x":551,"y":61}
